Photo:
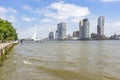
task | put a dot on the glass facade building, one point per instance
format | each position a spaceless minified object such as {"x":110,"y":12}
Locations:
{"x":100,"y":26}
{"x":61,"y":28}
{"x":84,"y":29}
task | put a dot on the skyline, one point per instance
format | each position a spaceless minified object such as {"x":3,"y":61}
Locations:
{"x":26,"y":14}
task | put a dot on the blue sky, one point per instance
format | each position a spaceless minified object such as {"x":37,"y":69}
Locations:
{"x":26,"y":14}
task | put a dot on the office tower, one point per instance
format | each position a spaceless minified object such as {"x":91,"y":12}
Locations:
{"x":84,"y":29}
{"x":100,"y":27}
{"x":61,"y":28}
{"x":80,"y":29}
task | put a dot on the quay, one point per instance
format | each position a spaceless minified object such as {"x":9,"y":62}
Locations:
{"x":4,"y":50}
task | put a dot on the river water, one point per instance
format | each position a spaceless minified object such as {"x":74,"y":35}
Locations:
{"x":65,"y":60}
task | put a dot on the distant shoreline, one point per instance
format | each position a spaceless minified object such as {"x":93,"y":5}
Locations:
{"x":85,"y":40}
{"x":39,"y":41}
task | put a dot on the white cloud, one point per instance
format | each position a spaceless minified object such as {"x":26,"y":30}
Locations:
{"x":46,"y":20}
{"x":26,"y":7}
{"x":8,"y":14}
{"x":41,"y":11}
{"x":12,"y":10}
{"x":2,"y":16}
{"x":3,"y":10}
{"x":27,"y":19}
{"x":110,"y":0}
{"x":7,"y":10}
{"x":12,"y":19}
{"x":37,"y":11}
{"x":61,"y":10}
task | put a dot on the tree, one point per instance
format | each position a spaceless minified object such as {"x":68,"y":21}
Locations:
{"x":7,"y":31}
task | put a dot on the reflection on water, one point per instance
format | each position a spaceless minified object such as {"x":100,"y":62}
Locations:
{"x":78,"y":60}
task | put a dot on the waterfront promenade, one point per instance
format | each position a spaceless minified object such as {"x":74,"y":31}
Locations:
{"x":2,"y":45}
{"x":4,"y":49}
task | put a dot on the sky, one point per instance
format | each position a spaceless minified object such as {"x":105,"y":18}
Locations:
{"x":25,"y":15}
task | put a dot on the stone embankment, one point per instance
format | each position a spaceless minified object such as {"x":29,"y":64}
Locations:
{"x":4,"y":50}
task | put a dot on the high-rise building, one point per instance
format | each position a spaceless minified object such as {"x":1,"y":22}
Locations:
{"x":84,"y":29}
{"x":100,"y":26}
{"x":80,"y":29}
{"x":61,"y":28}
